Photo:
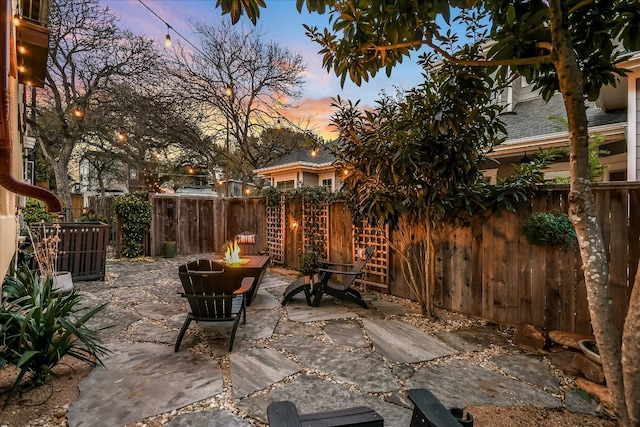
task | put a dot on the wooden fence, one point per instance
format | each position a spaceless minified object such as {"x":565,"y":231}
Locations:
{"x":488,"y":269}
{"x":204,"y":224}
{"x":82,"y":249}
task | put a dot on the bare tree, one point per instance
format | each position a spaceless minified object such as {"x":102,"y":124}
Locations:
{"x":89,"y":54}
{"x":240,"y":83}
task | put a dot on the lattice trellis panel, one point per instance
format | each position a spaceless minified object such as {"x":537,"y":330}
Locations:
{"x":315,"y":220}
{"x":275,"y":231}
{"x":376,"y":272}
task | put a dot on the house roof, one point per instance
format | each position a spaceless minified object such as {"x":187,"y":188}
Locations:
{"x":532,"y":118}
{"x":301,"y":157}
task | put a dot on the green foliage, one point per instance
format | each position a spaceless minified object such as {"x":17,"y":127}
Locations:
{"x":522,"y":182}
{"x":421,"y":173}
{"x":311,"y":194}
{"x":135,"y":216}
{"x":39,"y":327}
{"x":549,"y":229}
{"x":35,"y":211}
{"x":273,"y":196}
{"x":310,"y":259}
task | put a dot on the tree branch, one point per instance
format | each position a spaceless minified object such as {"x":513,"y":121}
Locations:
{"x":544,"y":59}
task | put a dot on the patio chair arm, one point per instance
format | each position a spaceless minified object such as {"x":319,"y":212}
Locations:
{"x":336,"y":264}
{"x":245,"y":286}
{"x":348,"y":273}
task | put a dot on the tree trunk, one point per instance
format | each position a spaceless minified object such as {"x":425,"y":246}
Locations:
{"x":583,"y":213}
{"x":62,"y":189}
{"x":430,"y":285}
{"x":631,"y":354}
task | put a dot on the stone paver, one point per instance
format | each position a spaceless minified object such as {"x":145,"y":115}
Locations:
{"x":299,"y":311}
{"x":346,"y":333}
{"x":529,"y":368}
{"x":258,"y":368}
{"x":461,"y":383}
{"x":473,"y":339}
{"x":404,"y":343}
{"x":134,"y":385}
{"x":365,"y":370}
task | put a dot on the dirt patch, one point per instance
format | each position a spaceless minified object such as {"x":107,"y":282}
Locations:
{"x":44,"y":405}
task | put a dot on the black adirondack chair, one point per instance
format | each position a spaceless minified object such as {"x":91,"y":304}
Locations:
{"x":329,"y":283}
{"x":326,"y":282}
{"x":214,"y":295}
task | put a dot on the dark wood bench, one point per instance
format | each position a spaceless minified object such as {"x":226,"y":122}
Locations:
{"x":428,"y":411}
{"x":285,"y":414}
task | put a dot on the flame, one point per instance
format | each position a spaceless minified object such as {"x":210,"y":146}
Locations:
{"x":232,"y":255}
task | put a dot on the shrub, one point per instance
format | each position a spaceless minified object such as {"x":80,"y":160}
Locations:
{"x":39,"y":327}
{"x":135,"y":217}
{"x":35,"y":211}
{"x":549,"y":229}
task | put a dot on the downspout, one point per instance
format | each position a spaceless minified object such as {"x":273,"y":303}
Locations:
{"x":7,"y":180}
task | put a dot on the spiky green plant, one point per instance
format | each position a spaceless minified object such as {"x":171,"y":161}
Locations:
{"x":40,"y":326}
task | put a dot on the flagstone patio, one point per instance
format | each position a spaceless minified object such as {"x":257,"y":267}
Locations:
{"x":322,"y":358}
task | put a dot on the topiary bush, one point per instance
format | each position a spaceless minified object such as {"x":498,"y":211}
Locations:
{"x":135,"y":216}
{"x":549,"y":229}
{"x":39,"y":327}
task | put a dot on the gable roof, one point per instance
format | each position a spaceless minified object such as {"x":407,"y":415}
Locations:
{"x":532,"y":118}
{"x":302,"y":157}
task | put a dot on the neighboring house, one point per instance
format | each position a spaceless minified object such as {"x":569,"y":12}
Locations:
{"x":23,"y":61}
{"x":302,"y":167}
{"x":538,"y":124}
{"x":90,"y":180}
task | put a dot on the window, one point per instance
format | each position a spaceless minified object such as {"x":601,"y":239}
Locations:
{"x":286,"y":185}
{"x":327,"y":183}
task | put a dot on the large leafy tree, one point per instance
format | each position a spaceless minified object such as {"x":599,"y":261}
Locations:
{"x":565,"y":46}
{"x":416,"y":179}
{"x":89,"y":56}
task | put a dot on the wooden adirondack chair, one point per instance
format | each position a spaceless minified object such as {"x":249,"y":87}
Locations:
{"x":214,"y":295}
{"x":342,"y":289}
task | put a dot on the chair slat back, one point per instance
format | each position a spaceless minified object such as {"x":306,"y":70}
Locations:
{"x":358,"y":266}
{"x":210,"y":292}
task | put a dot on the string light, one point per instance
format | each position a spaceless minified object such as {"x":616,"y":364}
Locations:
{"x":167,"y":39}
{"x":17,"y":18}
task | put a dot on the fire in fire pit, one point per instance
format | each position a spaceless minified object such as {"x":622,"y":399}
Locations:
{"x":232,"y":254}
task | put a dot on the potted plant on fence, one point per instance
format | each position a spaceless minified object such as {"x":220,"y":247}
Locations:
{"x":45,"y":243}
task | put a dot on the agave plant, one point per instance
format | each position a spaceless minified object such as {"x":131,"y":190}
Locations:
{"x":38,"y":327}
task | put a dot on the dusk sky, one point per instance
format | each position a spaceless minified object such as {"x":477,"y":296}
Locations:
{"x":282,"y":23}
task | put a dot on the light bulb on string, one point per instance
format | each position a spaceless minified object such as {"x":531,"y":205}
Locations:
{"x":17,"y":18}
{"x":167,"y":38}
